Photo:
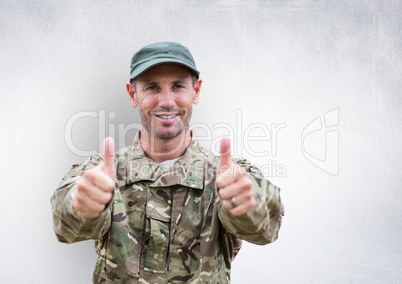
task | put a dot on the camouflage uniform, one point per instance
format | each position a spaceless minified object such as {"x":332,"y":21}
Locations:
{"x":166,"y":226}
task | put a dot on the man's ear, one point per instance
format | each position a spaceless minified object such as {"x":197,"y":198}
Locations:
{"x":197,"y":91}
{"x":131,"y":92}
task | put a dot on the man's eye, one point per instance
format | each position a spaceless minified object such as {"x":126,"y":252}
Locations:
{"x":177,"y":86}
{"x":151,"y":88}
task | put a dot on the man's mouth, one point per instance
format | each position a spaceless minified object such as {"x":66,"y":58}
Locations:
{"x":166,"y":116}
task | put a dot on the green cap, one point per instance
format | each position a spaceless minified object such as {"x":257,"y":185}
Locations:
{"x":159,"y":53}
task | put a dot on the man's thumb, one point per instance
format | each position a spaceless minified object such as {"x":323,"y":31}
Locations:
{"x":108,"y":153}
{"x":225,"y":157}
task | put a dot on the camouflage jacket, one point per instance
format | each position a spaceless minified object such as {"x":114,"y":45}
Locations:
{"x":166,"y":226}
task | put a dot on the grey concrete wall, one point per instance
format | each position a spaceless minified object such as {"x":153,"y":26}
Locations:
{"x":273,"y":67}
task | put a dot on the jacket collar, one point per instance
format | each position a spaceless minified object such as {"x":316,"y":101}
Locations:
{"x":187,"y":171}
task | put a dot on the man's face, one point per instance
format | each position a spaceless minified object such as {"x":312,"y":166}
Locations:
{"x":164,"y":95}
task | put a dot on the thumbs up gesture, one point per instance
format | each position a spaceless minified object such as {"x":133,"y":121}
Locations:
{"x":95,"y":189}
{"x":235,"y":187}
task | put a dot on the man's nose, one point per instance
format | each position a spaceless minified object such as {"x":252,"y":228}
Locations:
{"x":166,"y":99}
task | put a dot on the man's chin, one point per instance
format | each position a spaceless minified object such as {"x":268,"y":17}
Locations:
{"x":167,"y":135}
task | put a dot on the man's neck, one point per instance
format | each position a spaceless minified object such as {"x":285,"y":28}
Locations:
{"x":160,"y":150}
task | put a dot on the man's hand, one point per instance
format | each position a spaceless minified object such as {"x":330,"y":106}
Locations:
{"x":95,"y":189}
{"x":235,"y":187}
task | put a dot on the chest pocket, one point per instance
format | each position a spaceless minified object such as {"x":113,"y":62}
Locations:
{"x":158,"y":214}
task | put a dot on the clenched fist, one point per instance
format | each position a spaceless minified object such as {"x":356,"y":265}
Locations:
{"x":235,"y":187}
{"x":95,"y":188}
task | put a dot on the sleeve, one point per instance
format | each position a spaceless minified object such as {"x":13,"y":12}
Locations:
{"x":69,"y":226}
{"x":260,"y":225}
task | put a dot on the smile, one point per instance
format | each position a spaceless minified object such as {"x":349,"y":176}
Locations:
{"x":167,"y":116}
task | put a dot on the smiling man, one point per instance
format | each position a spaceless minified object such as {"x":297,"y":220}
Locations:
{"x":165,"y":209}
{"x":165,"y":95}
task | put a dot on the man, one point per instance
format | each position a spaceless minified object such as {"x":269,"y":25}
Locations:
{"x":165,"y":210}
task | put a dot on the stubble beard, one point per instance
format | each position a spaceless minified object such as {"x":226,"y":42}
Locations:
{"x":162,"y":134}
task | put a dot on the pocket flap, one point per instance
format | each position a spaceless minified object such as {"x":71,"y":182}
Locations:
{"x":159,"y":205}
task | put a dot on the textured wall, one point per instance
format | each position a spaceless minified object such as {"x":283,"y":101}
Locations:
{"x":273,"y":66}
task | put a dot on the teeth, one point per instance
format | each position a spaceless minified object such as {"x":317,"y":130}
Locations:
{"x":166,"y":116}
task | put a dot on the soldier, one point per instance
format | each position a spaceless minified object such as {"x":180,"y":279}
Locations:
{"x":165,"y":209}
